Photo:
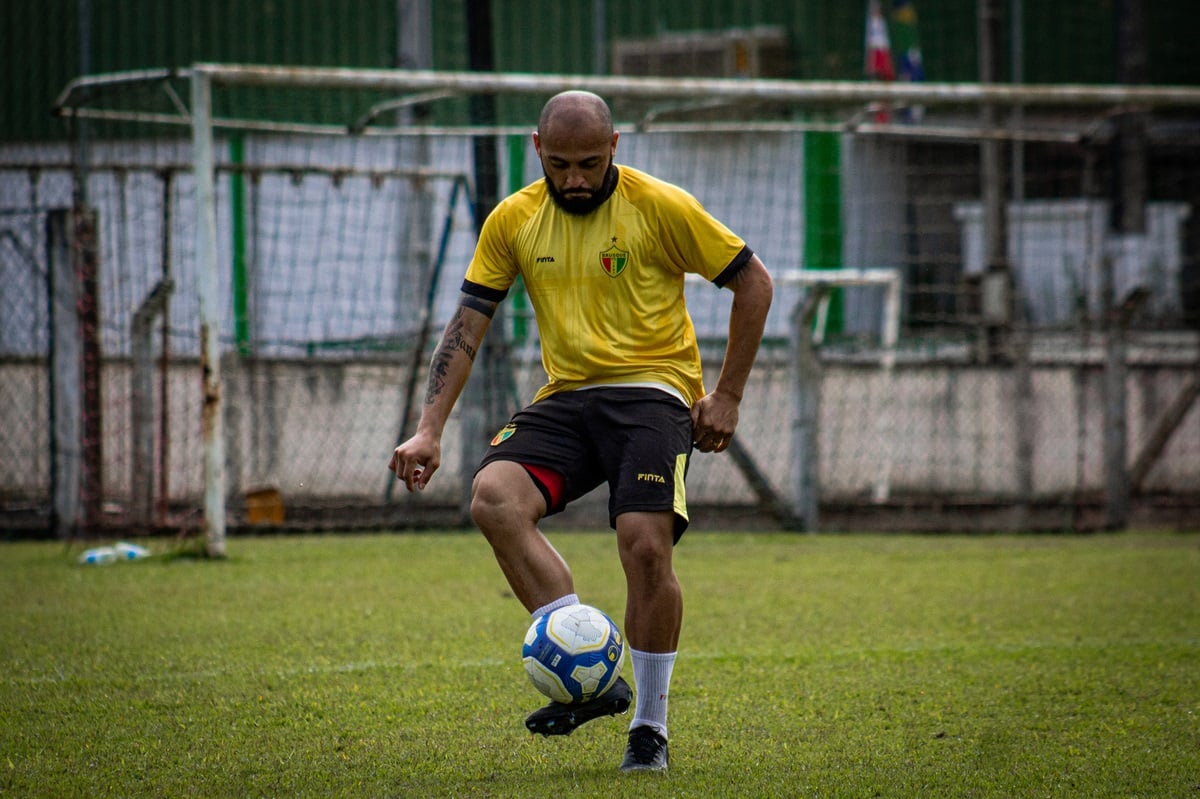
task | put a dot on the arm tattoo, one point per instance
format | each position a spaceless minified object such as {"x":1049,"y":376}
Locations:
{"x":440,"y":366}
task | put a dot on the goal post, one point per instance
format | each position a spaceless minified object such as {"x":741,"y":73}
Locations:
{"x":810,"y":323}
{"x":212,"y":424}
{"x":908,"y":392}
{"x":797,"y":506}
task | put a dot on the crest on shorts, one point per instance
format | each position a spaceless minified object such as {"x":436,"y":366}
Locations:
{"x":505,"y":434}
{"x":614,"y":260}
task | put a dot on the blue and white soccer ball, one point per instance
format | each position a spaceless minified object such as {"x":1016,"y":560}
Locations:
{"x":573,"y":654}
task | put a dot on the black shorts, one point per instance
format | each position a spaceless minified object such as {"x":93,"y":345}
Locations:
{"x":638,"y":440}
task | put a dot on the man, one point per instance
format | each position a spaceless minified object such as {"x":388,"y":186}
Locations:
{"x":602,"y":251}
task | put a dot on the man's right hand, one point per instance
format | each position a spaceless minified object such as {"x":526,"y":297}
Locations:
{"x":416,"y":460}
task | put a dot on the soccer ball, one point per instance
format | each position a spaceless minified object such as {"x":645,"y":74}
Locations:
{"x":573,"y":654}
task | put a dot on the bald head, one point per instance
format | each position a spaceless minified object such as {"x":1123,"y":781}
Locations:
{"x":576,"y":114}
{"x":576,"y":143}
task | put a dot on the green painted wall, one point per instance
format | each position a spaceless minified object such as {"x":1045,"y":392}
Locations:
{"x":40,"y":47}
{"x":1065,"y":41}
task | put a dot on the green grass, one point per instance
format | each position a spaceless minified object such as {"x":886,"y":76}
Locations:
{"x":826,"y":666}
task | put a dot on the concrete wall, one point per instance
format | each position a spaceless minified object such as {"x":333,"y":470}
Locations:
{"x":323,"y":432}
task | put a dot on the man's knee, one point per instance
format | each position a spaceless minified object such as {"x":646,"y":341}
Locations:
{"x":645,"y":540}
{"x":487,"y":496}
{"x":503,"y":493}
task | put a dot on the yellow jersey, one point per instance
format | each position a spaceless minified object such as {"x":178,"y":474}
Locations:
{"x":607,"y":287}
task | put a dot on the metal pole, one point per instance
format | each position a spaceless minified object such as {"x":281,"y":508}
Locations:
{"x":142,"y":410}
{"x":882,"y":489}
{"x":164,"y":355}
{"x":1116,"y":478}
{"x":779,"y":90}
{"x":1017,"y":70}
{"x":83,"y":12}
{"x":212,"y":426}
{"x":1023,"y":339}
{"x":485,"y":397}
{"x":85,"y":257}
{"x":66,"y":378}
{"x":992,"y":180}
{"x":85,"y":254}
{"x":1132,"y":181}
{"x":1129,"y":228}
{"x":806,"y":388}
{"x":599,"y":37}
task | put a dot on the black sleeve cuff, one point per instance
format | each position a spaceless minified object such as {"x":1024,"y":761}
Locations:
{"x":735,"y":266}
{"x":483,"y":292}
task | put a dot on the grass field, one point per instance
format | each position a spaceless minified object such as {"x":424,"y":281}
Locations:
{"x":811,"y":665}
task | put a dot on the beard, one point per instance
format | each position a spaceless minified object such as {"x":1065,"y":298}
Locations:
{"x":581,"y":202}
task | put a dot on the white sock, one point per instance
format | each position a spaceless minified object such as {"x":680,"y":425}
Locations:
{"x":561,"y":602}
{"x":652,"y":675}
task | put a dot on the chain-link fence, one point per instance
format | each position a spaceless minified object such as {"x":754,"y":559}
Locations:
{"x":1045,"y":372}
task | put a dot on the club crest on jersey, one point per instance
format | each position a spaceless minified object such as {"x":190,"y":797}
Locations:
{"x":505,"y":434}
{"x":613,"y":261}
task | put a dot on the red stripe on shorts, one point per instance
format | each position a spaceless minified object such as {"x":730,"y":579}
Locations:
{"x":553,"y":482}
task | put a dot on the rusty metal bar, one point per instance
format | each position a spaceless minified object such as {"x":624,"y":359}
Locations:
{"x":814,"y":92}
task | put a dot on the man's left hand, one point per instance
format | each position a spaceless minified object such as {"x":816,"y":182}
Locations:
{"x":714,"y":418}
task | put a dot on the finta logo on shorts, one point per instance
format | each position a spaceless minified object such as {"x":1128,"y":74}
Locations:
{"x":646,"y":477}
